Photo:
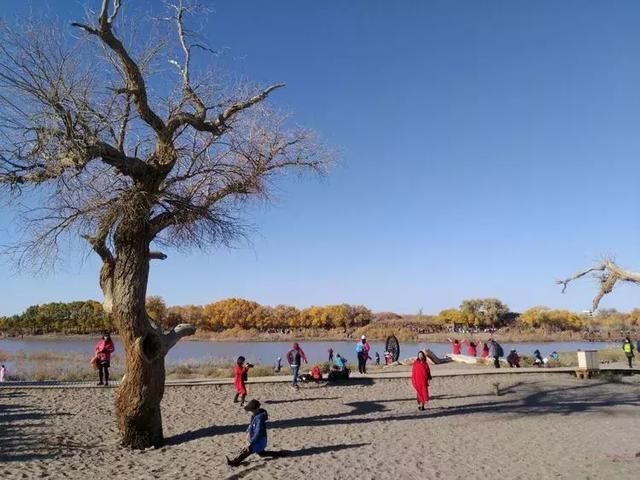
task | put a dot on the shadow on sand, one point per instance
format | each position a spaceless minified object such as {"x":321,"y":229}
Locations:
{"x":20,"y":427}
{"x":533,"y":400}
{"x":303,"y":452}
{"x":311,"y":399}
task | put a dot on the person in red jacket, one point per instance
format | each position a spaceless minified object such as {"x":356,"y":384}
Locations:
{"x":472,"y":348}
{"x":456,"y":346}
{"x":104,"y":349}
{"x":420,"y":376}
{"x":485,"y":350}
{"x":240,"y":377}
{"x":513,"y":359}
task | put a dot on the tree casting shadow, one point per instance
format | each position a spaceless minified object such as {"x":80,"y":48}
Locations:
{"x":20,"y":437}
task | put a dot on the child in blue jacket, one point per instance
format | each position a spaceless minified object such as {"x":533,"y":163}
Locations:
{"x":256,"y":433}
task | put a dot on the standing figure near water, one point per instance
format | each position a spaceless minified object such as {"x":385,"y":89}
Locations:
{"x":362,"y":350}
{"x":472,"y":348}
{"x":294,"y":357}
{"x":484,"y":353}
{"x":278,"y":365}
{"x":3,"y":373}
{"x":456,"y":346}
{"x":104,"y":349}
{"x":331,"y":354}
{"x":420,"y":376}
{"x":627,"y":347}
{"x":495,"y":352}
{"x":377,"y":359}
{"x":240,"y":377}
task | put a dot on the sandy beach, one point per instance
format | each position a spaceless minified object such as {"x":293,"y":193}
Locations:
{"x":542,"y":426}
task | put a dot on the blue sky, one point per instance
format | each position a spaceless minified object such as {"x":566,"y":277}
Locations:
{"x":486,"y":149}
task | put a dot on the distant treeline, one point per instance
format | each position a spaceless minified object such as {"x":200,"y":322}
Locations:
{"x":87,"y":317}
{"x":245,"y":314}
{"x":81,"y":317}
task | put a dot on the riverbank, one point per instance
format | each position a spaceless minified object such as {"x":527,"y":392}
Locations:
{"x":555,"y":426}
{"x":75,"y":367}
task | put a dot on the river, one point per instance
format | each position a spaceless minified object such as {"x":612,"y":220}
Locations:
{"x":267,"y":352}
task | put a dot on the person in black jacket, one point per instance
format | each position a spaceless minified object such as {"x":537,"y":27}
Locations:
{"x":495,"y":351}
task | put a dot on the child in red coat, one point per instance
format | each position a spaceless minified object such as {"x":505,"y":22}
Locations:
{"x":240,"y":377}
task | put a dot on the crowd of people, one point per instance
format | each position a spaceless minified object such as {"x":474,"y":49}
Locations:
{"x":490,"y":350}
{"x":256,"y":435}
{"x":256,"y":440}
{"x":493,"y":351}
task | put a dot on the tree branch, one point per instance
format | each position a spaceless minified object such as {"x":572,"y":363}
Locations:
{"x":135,"y":82}
{"x":99,"y":244}
{"x":177,"y":333}
{"x":157,"y":256}
{"x":611,"y":274}
{"x":188,"y":212}
{"x":565,"y":282}
{"x":131,"y":166}
{"x":220,"y":124}
{"x":190,"y":95}
{"x":238,"y":107}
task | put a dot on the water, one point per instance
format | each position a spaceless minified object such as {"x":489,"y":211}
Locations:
{"x":266,"y":353}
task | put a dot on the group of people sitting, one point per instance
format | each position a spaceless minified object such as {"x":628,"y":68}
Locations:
{"x":513,"y":359}
{"x":338,"y":371}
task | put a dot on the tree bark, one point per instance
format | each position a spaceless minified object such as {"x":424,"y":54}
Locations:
{"x":138,"y":401}
{"x":138,"y":398}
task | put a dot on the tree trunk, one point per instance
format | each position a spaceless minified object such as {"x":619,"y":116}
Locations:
{"x":138,"y":398}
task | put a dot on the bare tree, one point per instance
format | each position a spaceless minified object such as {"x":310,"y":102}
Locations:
{"x":608,"y":273}
{"x":127,"y":166}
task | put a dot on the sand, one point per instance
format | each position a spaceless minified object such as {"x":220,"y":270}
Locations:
{"x":543,"y":426}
